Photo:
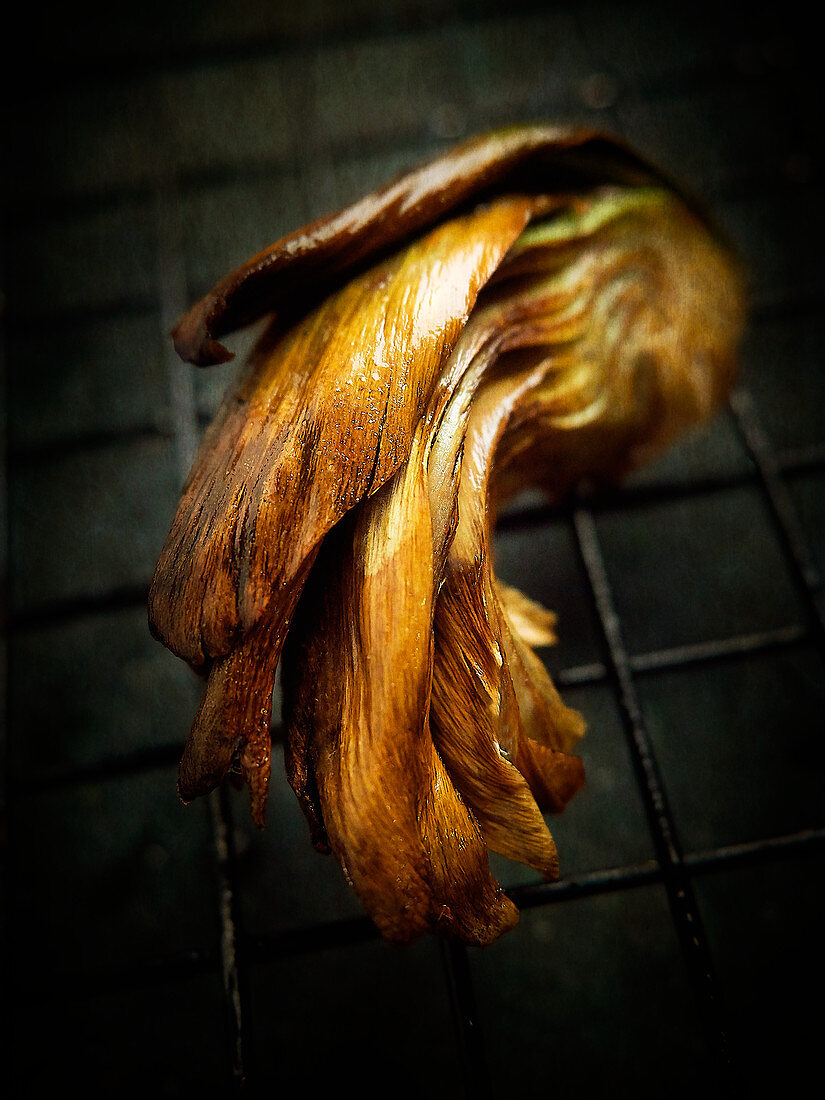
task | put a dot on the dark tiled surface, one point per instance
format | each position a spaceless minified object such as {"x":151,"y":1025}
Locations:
{"x":89,"y":522}
{"x":248,"y":120}
{"x":718,"y":137}
{"x":593,"y":975}
{"x":808,"y":493}
{"x":520,"y":66}
{"x":116,"y":873}
{"x":368,"y":1018}
{"x":424,"y":77}
{"x":698,"y":569}
{"x":233,"y":113}
{"x":102,"y":135}
{"x":92,"y":377}
{"x":91,"y":690}
{"x":91,"y":258}
{"x":710,"y":452}
{"x":764,"y":926}
{"x":162,"y":1040}
{"x":775,"y":235}
{"x":783,"y":370}
{"x":740,"y":746}
{"x":649,"y":44}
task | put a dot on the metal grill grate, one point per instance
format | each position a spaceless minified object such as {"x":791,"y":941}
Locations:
{"x":621,"y":669}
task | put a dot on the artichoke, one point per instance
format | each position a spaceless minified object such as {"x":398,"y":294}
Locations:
{"x":536,"y":307}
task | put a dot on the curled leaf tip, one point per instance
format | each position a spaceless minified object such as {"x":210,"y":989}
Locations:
{"x":194,"y":343}
{"x":538,"y":307}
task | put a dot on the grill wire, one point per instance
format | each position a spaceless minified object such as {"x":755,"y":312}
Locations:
{"x":673,"y":868}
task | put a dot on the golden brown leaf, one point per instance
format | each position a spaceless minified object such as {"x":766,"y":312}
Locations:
{"x":536,"y":307}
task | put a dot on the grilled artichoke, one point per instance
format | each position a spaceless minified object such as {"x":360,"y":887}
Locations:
{"x":536,"y":307}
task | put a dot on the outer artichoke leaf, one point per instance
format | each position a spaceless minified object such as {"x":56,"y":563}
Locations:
{"x":325,"y":416}
{"x":359,"y":709}
{"x":539,"y":160}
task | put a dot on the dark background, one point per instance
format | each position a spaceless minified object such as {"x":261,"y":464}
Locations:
{"x":150,"y":150}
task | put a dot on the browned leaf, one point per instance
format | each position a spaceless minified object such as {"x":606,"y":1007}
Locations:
{"x":537,"y":307}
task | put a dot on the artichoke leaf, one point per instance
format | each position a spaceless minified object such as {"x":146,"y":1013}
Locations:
{"x":324,"y":417}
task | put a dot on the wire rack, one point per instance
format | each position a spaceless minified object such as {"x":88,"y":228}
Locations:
{"x":620,"y":669}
